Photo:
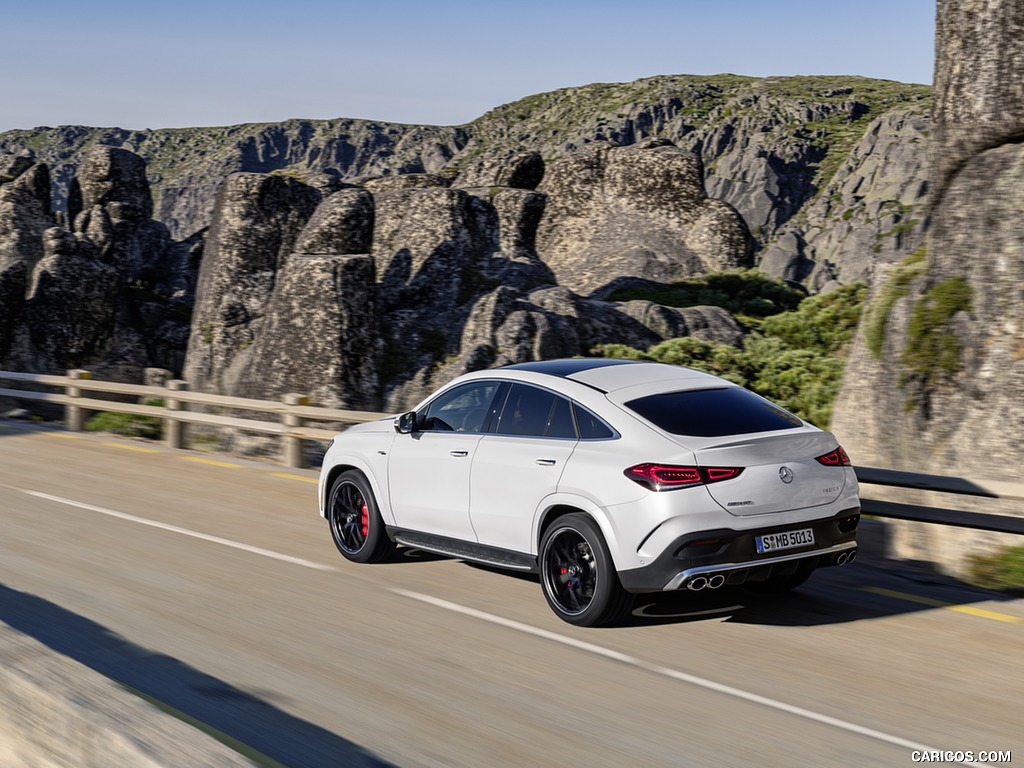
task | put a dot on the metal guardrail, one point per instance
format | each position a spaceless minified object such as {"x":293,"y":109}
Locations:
{"x":293,"y":411}
{"x":942,"y":484}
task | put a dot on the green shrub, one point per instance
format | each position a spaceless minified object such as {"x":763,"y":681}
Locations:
{"x":127,"y":424}
{"x":825,"y":323}
{"x":933,"y":351}
{"x":741,"y":291}
{"x":895,"y":288}
{"x":795,"y":359}
{"x":1001,"y":570}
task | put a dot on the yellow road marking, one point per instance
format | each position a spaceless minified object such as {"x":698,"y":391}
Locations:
{"x":211,"y":461}
{"x":294,"y":477}
{"x":138,"y":448}
{"x":64,"y":435}
{"x":980,"y":612}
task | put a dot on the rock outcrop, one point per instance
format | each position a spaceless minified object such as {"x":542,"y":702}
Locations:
{"x":24,"y":211}
{"x":936,"y":379}
{"x":256,"y":224}
{"x":979,"y":92}
{"x":872,"y":214}
{"x":455,"y":248}
{"x":24,"y":217}
{"x":760,"y":167}
{"x":768,"y":146}
{"x":113,"y":292}
{"x":320,"y":336}
{"x":371,"y":296}
{"x":641,"y":210}
{"x":522,"y":170}
{"x":70,"y":310}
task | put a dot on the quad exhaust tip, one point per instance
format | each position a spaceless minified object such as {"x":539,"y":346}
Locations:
{"x":714,"y":581}
{"x":697,"y":583}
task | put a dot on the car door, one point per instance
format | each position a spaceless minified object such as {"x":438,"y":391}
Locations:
{"x":429,"y":469}
{"x":518,"y":464}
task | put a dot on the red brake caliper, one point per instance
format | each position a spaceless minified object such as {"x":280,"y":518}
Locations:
{"x":364,"y":520}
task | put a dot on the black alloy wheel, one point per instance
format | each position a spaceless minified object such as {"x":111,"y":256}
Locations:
{"x":577,"y":574}
{"x":356,"y":524}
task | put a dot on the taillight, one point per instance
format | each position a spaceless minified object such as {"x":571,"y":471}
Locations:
{"x":836,"y":458}
{"x":665,"y":477}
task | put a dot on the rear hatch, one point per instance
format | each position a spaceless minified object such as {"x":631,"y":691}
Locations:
{"x":731,"y":427}
{"x":780,"y":471}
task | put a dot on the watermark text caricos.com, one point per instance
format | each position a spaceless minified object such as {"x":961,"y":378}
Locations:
{"x":968,"y":756}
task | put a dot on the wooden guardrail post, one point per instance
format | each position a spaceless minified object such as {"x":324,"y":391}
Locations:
{"x":73,"y":414}
{"x":293,"y":445}
{"x":173,"y":428}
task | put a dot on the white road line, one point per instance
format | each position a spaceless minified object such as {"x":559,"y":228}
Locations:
{"x":656,"y":669}
{"x":182,"y":531}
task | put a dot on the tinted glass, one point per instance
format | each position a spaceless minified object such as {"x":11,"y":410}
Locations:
{"x":591,"y":427}
{"x":463,"y":409}
{"x":526,"y":411}
{"x":712,"y":412}
{"x":561,"y":420}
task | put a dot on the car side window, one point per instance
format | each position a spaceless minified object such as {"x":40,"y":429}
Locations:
{"x":591,"y":427}
{"x":535,"y":412}
{"x":462,"y":409}
{"x":561,"y":423}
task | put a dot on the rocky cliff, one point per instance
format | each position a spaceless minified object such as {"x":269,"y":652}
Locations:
{"x":407,"y":254}
{"x":768,"y":146}
{"x":113,"y":292}
{"x":376,"y":293}
{"x":936,"y":378}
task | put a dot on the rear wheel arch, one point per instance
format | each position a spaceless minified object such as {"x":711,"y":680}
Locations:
{"x":577,"y":574}
{"x":563,"y":508}
{"x":550,"y":516}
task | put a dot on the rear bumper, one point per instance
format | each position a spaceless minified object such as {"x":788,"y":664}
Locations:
{"x":732,"y":555}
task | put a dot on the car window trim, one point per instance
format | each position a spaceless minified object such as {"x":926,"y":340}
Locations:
{"x":615,"y":435}
{"x":501,"y":395}
{"x":547,"y":424}
{"x":488,"y":421}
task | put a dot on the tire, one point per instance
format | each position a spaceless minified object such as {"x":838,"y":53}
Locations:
{"x":781,"y":583}
{"x":356,"y":525}
{"x":577,"y":574}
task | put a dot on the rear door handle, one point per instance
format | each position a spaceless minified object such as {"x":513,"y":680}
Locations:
{"x":546,"y":462}
{"x":458,"y":454}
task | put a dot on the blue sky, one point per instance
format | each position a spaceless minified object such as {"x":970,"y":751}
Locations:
{"x":221,"y":62}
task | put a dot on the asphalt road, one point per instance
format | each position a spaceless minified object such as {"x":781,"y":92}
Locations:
{"x":210,"y":584}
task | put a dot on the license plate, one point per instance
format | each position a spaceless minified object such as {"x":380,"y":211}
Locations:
{"x":773,"y":542}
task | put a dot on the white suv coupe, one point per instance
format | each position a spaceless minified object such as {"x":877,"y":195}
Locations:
{"x":606,"y":477}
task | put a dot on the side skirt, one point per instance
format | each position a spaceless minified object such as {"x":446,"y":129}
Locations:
{"x":464,"y":550}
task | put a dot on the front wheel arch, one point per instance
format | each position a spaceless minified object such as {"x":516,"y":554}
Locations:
{"x":351,"y":463}
{"x":353,"y":516}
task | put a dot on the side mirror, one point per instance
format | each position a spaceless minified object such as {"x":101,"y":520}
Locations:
{"x":406,"y":423}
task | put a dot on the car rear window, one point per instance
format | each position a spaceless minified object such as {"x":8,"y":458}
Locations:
{"x":712,"y":412}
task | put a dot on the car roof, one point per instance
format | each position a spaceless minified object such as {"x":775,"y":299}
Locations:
{"x":609,"y":375}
